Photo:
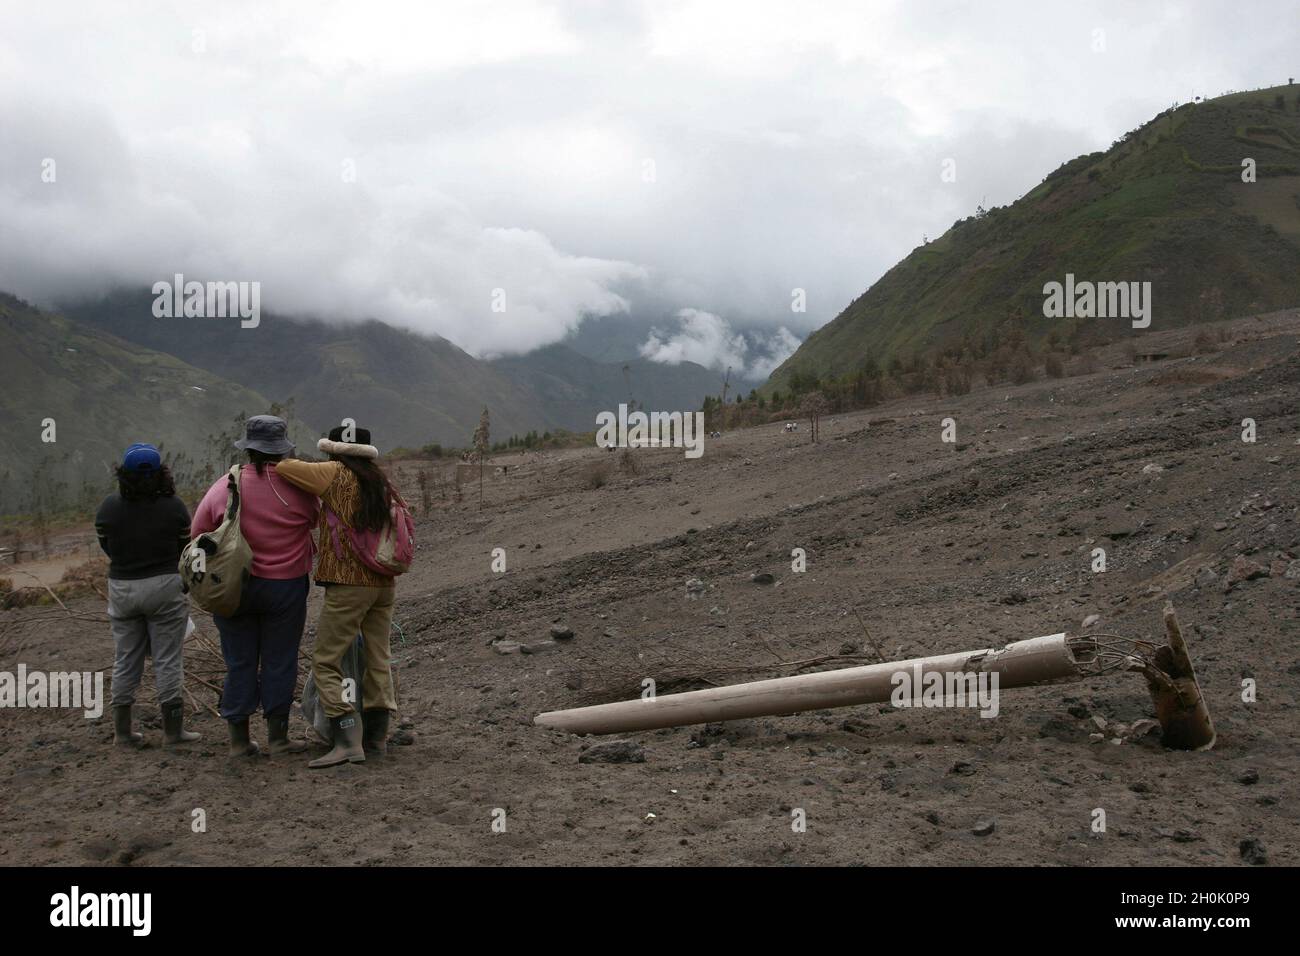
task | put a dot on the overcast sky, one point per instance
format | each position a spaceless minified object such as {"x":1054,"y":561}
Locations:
{"x":690,"y":162}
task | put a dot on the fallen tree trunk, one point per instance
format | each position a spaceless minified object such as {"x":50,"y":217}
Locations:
{"x":1180,"y":706}
{"x":1023,"y":663}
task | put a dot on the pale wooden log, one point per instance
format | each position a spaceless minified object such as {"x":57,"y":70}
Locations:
{"x":1020,"y":664}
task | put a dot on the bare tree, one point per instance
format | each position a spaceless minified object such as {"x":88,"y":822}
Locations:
{"x":481,"y":438}
{"x":813,"y":407}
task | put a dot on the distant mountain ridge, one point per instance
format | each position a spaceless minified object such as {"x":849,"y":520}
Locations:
{"x":412,"y":389}
{"x":1165,"y":204}
{"x":101,"y":394}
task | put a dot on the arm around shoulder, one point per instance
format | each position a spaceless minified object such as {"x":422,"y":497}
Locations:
{"x":311,"y":476}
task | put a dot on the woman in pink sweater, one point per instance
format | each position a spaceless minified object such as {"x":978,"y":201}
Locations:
{"x":260,"y":641}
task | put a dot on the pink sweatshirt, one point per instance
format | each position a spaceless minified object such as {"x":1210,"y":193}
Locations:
{"x":276,"y":519}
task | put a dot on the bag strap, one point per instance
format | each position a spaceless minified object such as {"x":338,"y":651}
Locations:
{"x":233,"y":496}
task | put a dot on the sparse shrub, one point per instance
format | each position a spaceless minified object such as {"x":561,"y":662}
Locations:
{"x":422,"y":480}
{"x":954,"y":377}
{"x":628,"y":462}
{"x":1022,"y":369}
{"x":596,"y":476}
{"x":1204,"y":342}
{"x":1053,"y":365}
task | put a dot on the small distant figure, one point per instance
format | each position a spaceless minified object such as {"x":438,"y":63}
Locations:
{"x":791,"y":426}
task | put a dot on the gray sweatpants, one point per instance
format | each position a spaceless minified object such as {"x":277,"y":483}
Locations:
{"x":148,"y":616}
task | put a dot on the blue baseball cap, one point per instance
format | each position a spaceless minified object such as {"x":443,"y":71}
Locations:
{"x":142,"y":457}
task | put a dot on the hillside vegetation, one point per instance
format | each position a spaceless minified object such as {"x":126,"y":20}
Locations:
{"x":1165,"y":204}
{"x":102,"y":394}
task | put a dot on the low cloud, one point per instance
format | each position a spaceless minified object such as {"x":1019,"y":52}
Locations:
{"x":709,"y":340}
{"x":403,"y":161}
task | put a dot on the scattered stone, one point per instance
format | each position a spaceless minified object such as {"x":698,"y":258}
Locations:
{"x":1249,"y":777}
{"x":763,"y":577}
{"x":1206,"y":577}
{"x":1152,"y":469}
{"x":984,"y":828}
{"x":613,"y":751}
{"x":506,"y":647}
{"x":1244,"y":569}
{"x":694,"y":588}
{"x":1091,"y":619}
{"x":1252,"y":851}
{"x":1220,"y":526}
{"x":403,"y":738}
{"x":1143,"y":728}
{"x":963,"y":769}
{"x":561,"y":632}
{"x":541,"y":647}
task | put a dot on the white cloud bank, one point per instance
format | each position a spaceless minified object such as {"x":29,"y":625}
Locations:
{"x":709,"y":340}
{"x":585,"y":158}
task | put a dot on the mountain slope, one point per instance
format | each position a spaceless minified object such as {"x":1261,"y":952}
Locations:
{"x":572,"y":387}
{"x":412,"y":389}
{"x":103,"y":394}
{"x":1165,"y":204}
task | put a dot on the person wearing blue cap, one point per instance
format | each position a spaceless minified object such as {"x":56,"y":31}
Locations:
{"x":142,"y":528}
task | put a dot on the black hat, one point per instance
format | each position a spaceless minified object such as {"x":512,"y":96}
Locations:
{"x":359,"y":436}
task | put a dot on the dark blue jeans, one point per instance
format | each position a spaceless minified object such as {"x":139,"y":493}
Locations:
{"x":260,"y":645}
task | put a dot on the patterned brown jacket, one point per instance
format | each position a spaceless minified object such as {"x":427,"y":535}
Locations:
{"x":339,"y":491}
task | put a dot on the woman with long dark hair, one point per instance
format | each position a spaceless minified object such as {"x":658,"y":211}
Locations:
{"x":142,"y":528}
{"x":355,"y":494}
{"x":260,"y":640}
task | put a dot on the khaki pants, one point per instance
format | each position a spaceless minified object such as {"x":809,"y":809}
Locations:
{"x":349,"y":609}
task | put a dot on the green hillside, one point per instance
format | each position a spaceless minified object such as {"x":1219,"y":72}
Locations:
{"x":103,"y":394}
{"x":1164,"y":204}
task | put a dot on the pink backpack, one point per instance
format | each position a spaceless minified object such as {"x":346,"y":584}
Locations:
{"x":388,"y":551}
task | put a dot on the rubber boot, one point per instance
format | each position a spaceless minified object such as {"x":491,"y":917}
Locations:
{"x":240,"y":744}
{"x":375,"y":732}
{"x":347,"y":742}
{"x":174,"y":732}
{"x":277,"y":736}
{"x":123,"y":735}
